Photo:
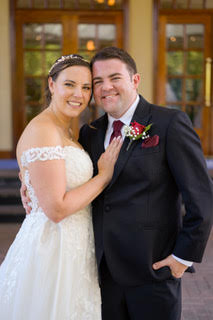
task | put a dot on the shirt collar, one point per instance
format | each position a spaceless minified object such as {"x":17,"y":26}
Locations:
{"x":127,"y":116}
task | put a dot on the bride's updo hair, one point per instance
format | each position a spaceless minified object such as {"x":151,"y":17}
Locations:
{"x":59,"y":65}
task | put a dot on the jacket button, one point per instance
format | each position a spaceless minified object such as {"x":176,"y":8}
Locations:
{"x":107,"y":208}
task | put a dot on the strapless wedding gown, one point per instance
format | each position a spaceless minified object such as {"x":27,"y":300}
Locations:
{"x":50,"y":272}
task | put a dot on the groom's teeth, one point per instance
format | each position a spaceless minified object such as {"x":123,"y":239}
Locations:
{"x":112,"y":95}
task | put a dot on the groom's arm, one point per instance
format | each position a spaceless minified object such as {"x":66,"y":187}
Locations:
{"x":188,"y":166}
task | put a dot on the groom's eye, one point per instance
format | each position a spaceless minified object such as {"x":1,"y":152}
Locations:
{"x":97,"y":82}
{"x":86,"y":88}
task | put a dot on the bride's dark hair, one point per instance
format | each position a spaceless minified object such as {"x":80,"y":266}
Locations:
{"x":59,"y":65}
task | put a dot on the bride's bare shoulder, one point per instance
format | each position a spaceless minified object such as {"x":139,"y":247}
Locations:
{"x":40,"y":132}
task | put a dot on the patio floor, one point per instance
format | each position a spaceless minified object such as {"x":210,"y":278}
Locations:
{"x":197,"y":287}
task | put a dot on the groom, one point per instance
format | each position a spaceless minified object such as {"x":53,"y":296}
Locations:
{"x":143,"y":246}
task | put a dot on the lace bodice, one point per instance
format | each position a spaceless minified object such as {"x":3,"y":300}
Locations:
{"x":78,"y":165}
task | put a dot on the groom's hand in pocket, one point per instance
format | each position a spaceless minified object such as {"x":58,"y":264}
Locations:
{"x":177,"y":268}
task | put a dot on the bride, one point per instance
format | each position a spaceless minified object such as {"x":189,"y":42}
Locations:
{"x":49,"y":272}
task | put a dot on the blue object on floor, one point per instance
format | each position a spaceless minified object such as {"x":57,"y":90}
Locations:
{"x":209,"y":163}
{"x":11,"y":164}
{"x":8,"y":164}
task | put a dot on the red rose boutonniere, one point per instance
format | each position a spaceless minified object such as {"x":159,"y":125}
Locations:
{"x":136,"y":131}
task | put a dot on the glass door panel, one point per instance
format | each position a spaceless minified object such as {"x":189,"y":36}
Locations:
{"x":174,"y":88}
{"x":39,"y":4}
{"x":195,"y":114}
{"x":185,"y":69}
{"x":42,"y":46}
{"x":196,"y":4}
{"x":87,"y":42}
{"x":181,"y":4}
{"x":71,"y":4}
{"x":91,"y":38}
{"x":175,"y":63}
{"x":166,"y":4}
{"x":195,"y":36}
{"x":209,"y":4}
{"x":185,"y":4}
{"x":106,"y":35}
{"x":174,"y":36}
{"x":194,"y":90}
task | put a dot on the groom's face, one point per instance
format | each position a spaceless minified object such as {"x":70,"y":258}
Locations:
{"x":114,"y":88}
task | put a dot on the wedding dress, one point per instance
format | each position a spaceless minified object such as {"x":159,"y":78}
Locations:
{"x":50,"y":272}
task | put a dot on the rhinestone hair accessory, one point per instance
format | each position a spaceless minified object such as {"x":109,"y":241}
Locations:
{"x":67,"y":57}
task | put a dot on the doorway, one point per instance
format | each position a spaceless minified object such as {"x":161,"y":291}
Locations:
{"x":184,"y":67}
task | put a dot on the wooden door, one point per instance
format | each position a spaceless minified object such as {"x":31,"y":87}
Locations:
{"x":184,"y":67}
{"x":41,"y":37}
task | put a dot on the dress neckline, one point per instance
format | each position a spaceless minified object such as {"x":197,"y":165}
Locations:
{"x":74,"y":147}
{"x":32,"y":152}
{"x":52,"y":147}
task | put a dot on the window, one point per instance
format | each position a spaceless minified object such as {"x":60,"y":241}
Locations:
{"x":70,"y":4}
{"x":186,"y":4}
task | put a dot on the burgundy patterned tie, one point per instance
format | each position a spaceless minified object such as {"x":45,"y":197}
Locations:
{"x":117,"y":125}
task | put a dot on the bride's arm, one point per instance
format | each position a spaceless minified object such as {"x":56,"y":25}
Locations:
{"x":48,"y":178}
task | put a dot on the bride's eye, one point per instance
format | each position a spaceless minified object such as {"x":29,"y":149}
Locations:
{"x":68,"y":84}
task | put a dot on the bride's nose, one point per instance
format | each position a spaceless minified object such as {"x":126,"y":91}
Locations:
{"x":78,"y":92}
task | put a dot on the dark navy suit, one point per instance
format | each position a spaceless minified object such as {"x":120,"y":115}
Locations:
{"x":137,"y":219}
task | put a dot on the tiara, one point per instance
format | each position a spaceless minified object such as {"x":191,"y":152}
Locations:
{"x":67,"y":57}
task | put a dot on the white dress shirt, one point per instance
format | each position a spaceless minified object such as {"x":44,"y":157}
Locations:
{"x":126,"y":119}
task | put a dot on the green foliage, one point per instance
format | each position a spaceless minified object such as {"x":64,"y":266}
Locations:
{"x":195,"y":63}
{"x":175,"y":63}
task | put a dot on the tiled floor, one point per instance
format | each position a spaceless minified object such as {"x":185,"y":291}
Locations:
{"x":7,"y":234}
{"x":197,"y":287}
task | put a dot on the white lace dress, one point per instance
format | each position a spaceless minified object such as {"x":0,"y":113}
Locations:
{"x":49,"y":272}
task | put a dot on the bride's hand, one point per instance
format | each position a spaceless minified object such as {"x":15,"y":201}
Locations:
{"x":108,"y":159}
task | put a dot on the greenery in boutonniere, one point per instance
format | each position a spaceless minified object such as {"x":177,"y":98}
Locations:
{"x":136,"y":131}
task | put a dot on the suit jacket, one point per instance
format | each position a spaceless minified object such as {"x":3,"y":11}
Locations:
{"x":137,"y":219}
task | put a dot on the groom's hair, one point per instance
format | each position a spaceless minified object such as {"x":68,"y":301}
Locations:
{"x":115,"y":53}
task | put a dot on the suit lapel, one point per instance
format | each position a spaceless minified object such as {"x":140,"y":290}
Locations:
{"x":98,"y":139}
{"x":142,"y":115}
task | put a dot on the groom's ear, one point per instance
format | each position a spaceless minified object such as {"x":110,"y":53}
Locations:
{"x":136,"y":78}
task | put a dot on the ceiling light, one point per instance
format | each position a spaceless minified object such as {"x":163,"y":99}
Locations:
{"x":111,"y":2}
{"x":90,"y":45}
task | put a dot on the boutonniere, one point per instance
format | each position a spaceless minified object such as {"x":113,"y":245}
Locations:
{"x":138,"y":131}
